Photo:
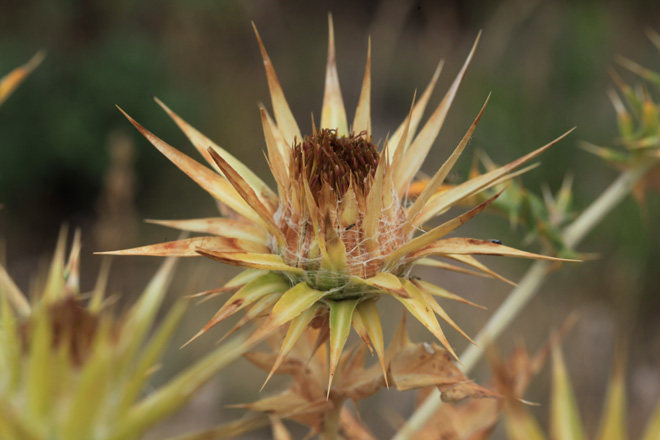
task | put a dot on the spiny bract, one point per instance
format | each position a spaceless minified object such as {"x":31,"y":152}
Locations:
{"x":70,"y":370}
{"x":338,"y":234}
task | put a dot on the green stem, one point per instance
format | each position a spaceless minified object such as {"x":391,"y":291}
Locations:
{"x":331,"y":423}
{"x":612,"y":196}
{"x":529,"y":285}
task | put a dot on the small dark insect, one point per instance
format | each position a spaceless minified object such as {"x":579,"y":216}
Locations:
{"x":349,"y":226}
{"x":492,"y":240}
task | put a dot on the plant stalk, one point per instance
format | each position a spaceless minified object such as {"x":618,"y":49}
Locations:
{"x":529,"y":286}
{"x":331,"y":423}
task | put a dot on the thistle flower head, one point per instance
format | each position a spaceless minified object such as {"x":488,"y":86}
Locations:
{"x":638,"y":120}
{"x":70,"y":369}
{"x":339,"y":232}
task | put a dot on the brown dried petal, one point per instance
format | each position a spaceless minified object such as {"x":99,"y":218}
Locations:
{"x":423,"y":365}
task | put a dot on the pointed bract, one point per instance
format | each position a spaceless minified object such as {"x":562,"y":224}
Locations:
{"x":202,"y":144}
{"x":415,"y":155}
{"x":438,"y":203}
{"x":442,"y":173}
{"x":222,"y":227}
{"x":294,"y":302}
{"x":369,"y":314}
{"x":247,"y":193}
{"x":341,"y":316}
{"x":189,"y":246}
{"x":296,"y":329}
{"x":333,"y":113}
{"x":564,"y":415}
{"x":211,"y":182}
{"x":434,"y":234}
{"x":253,"y":291}
{"x":362,"y":121}
{"x":472,"y":246}
{"x":416,"y":112}
{"x":285,"y":121}
{"x":251,"y":260}
{"x":419,"y":308}
{"x":613,"y":421}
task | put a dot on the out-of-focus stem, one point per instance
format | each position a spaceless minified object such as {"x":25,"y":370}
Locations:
{"x":331,"y":422}
{"x":612,"y":196}
{"x":529,"y":285}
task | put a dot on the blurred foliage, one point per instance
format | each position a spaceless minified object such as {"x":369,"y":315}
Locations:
{"x":565,"y":419}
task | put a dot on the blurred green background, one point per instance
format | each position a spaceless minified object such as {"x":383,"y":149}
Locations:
{"x":68,"y":156}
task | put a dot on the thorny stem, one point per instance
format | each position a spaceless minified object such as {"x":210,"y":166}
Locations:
{"x":529,"y":285}
{"x":331,"y":422}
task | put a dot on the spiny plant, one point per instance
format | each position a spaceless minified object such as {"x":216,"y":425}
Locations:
{"x":340,"y":232}
{"x":638,"y":158}
{"x":542,"y":216}
{"x":638,"y":118}
{"x":72,"y":370}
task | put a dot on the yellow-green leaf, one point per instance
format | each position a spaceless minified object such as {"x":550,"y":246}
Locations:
{"x":443,"y":293}
{"x":613,"y":422}
{"x":420,"y":309}
{"x":341,"y":317}
{"x":222,"y":227}
{"x":251,"y":260}
{"x":296,"y":329}
{"x":520,"y":424}
{"x":565,"y":421}
{"x":371,"y":319}
{"x":253,"y":291}
{"x":652,"y":431}
{"x":294,"y":302}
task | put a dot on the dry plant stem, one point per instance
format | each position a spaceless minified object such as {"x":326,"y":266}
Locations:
{"x":529,"y":285}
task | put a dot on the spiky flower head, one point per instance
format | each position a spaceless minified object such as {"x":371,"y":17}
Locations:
{"x":70,"y":368}
{"x":339,"y":232}
{"x":638,"y":119}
